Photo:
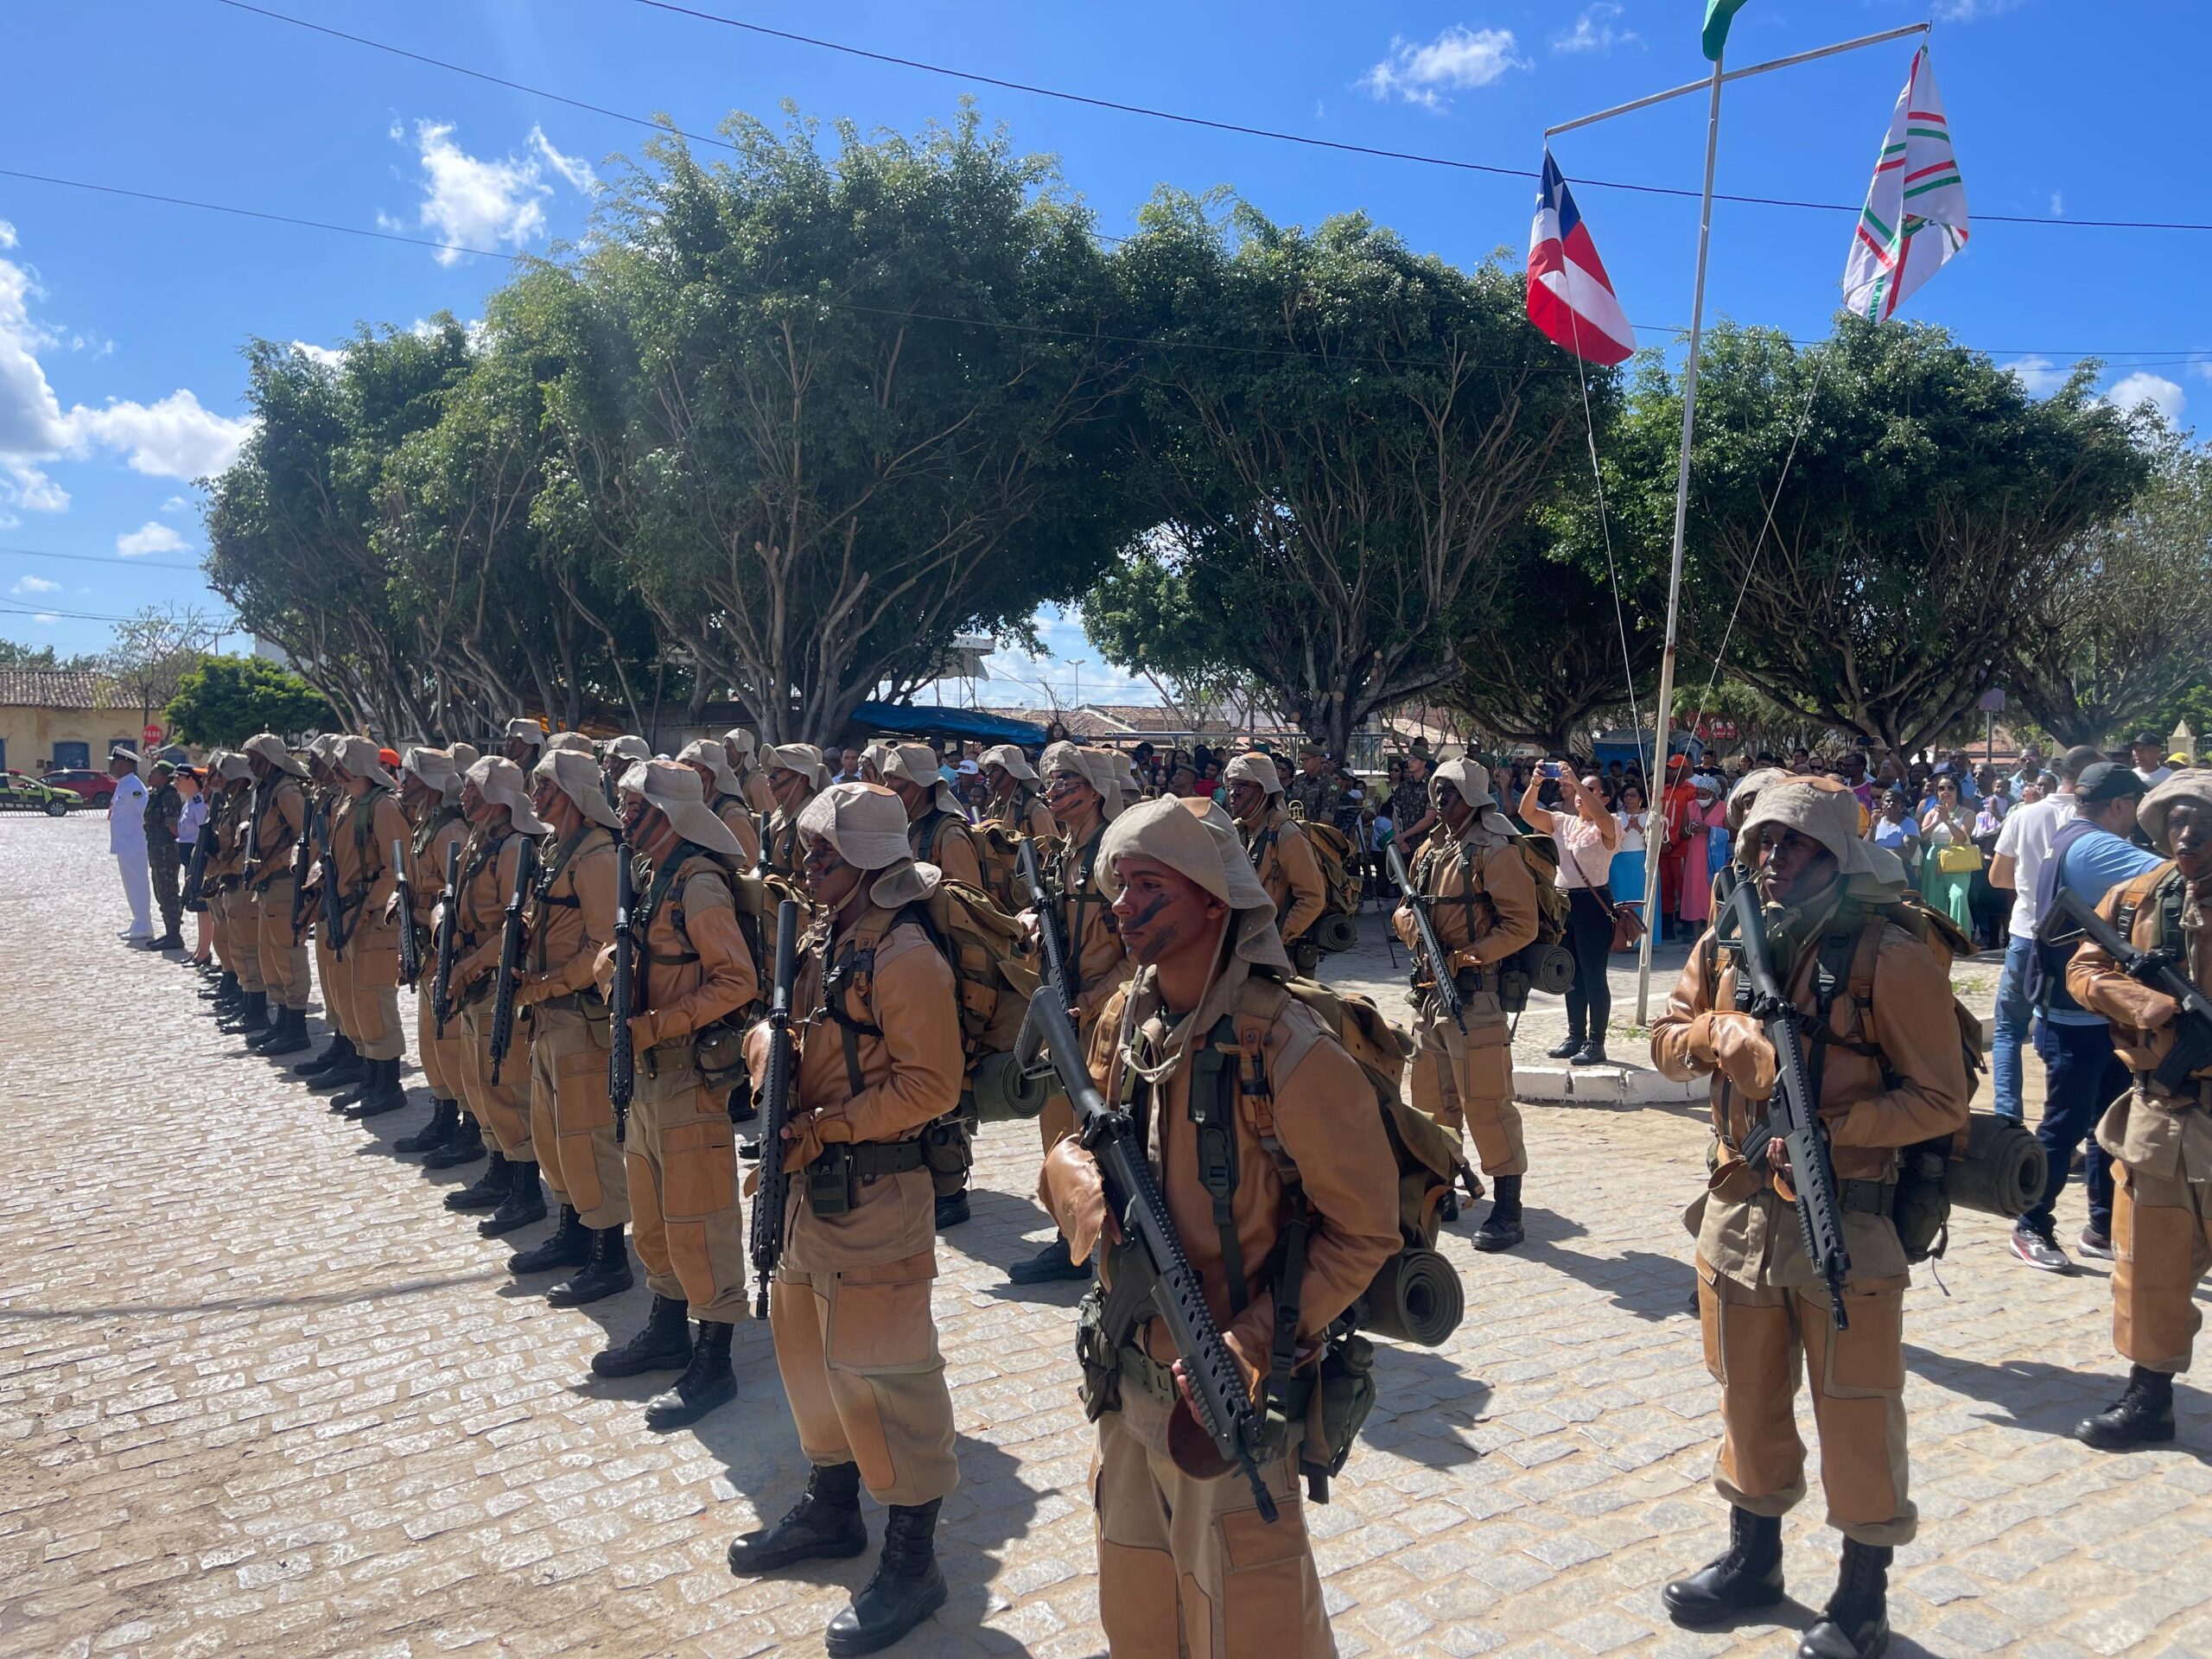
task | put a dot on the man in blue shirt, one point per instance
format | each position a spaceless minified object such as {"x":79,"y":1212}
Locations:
{"x":2090,"y":855}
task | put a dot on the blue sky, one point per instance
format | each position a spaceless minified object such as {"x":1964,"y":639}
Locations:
{"x":121,"y":321}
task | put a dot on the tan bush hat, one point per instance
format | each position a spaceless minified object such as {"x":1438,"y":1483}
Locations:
{"x":801,"y":758}
{"x":1253,"y":767}
{"x":434,"y":767}
{"x":1195,"y":838}
{"x":867,"y":823}
{"x":1016,"y":763}
{"x":916,"y":764}
{"x":2192,"y":783}
{"x":706,"y":752}
{"x":673,"y":788}
{"x":270,"y":747}
{"x":500,"y":782}
{"x":628,"y":747}
{"x":465,"y":755}
{"x":523,"y":726}
{"x":576,"y":775}
{"x":1095,"y":766}
{"x":1826,"y":814}
{"x":573,"y":742}
{"x":362,"y":757}
{"x":742,"y":740}
{"x":233,"y":766}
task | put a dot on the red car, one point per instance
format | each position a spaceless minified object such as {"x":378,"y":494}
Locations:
{"x":95,"y":786}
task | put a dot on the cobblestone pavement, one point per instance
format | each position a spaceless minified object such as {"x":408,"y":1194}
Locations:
{"x":259,"y":1393}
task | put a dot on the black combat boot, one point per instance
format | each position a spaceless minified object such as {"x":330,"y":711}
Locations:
{"x":1855,"y":1624}
{"x":489,"y":1190}
{"x":2143,"y":1415}
{"x":523,"y":1203}
{"x":908,"y":1585}
{"x":288,"y":1036}
{"x":340,"y":1051}
{"x":823,"y":1525}
{"x":606,"y":1274}
{"x":708,"y":1381}
{"x":348,"y":1073}
{"x":663,"y":1345}
{"x":252,"y":1013}
{"x":1049,"y":1264}
{"x":1561,"y":1051}
{"x":380,"y":1094}
{"x":1501,"y":1229}
{"x":569,"y":1245}
{"x":444,"y":1124}
{"x":227,"y":989}
{"x":464,"y":1146}
{"x":1591,"y":1053}
{"x":952,"y":1209}
{"x":1747,"y":1575}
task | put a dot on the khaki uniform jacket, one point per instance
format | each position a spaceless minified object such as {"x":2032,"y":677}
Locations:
{"x":1341,"y":1156}
{"x":1478,"y":924}
{"x":677,"y":997}
{"x":571,"y":916}
{"x":1086,"y":918}
{"x":426,"y":869}
{"x":283,"y":821}
{"x":738,"y":818}
{"x":1288,"y":870}
{"x":780,"y":849}
{"x":487,"y":880}
{"x":753,"y":784}
{"x":909,"y":1067}
{"x":361,"y":834}
{"x":951,"y":849}
{"x":1021,"y":812}
{"x":1746,"y":1230}
{"x":2148,"y":1129}
{"x":227,"y":819}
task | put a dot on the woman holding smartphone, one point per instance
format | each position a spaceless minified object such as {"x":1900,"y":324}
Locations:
{"x":1585,"y":837}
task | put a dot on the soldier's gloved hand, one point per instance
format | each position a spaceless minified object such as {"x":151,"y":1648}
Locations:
{"x":1735,"y":1046}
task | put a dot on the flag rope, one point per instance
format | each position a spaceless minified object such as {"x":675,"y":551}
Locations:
{"x":1605,"y":530}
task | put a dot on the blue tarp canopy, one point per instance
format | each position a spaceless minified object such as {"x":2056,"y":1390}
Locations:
{"x":926,"y":720}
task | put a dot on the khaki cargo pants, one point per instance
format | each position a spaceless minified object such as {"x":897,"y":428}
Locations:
{"x":2162,"y":1245}
{"x":681,"y":1157}
{"x":283,"y":958}
{"x":1186,"y":1566}
{"x":1467,"y":1080}
{"x":367,"y":990}
{"x":856,"y":1341}
{"x":443,"y":1068}
{"x":503,"y":1108}
{"x":1758,"y":1341}
{"x":237,"y":943}
{"x":336,"y":979}
{"x":571,"y":1119}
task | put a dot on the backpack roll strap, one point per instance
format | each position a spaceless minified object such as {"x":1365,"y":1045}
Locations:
{"x":1214,"y":1087}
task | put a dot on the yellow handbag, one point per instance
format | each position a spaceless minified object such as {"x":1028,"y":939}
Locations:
{"x":1958,"y":858}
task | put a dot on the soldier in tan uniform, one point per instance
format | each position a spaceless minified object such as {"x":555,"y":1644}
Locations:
{"x":495,"y":798}
{"x":795,"y":772}
{"x":743,"y":749}
{"x":1765,"y":1310}
{"x":340,"y":1066}
{"x":1280,"y":853}
{"x":570,"y":919}
{"x":1081,"y":787}
{"x":525,"y":741}
{"x":364,"y":975}
{"x":282,"y":809}
{"x":726,"y":800}
{"x":429,"y":793}
{"x":878,"y":1059}
{"x":1482,"y":902}
{"x":237,"y":945}
{"x":696,"y":983}
{"x":1186,"y":1563}
{"x":2161,"y":1136}
{"x":617,"y":755}
{"x":936,"y":824}
{"x":571,"y":742}
{"x":1015,"y":803}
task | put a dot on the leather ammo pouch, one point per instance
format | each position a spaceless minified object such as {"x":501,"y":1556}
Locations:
{"x":946,"y":1152}
{"x":718,"y":1050}
{"x":833,"y":1180}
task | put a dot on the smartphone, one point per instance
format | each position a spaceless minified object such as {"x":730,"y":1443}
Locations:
{"x":1551,"y":769}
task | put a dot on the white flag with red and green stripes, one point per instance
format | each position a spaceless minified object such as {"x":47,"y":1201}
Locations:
{"x":1916,"y":213}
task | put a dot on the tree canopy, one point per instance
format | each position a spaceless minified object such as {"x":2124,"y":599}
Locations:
{"x":227,"y":699}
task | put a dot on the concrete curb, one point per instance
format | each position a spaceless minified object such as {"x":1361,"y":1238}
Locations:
{"x":1632,"y":1085}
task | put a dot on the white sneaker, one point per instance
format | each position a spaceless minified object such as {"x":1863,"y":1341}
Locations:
{"x":2095,"y":1245}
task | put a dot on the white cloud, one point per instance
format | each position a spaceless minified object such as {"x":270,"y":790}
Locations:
{"x":45,"y":619}
{"x":2201,"y":369}
{"x":1971,"y":11}
{"x":475,"y":201}
{"x":31,"y":421}
{"x":7,"y":234}
{"x":152,"y":536}
{"x":2039,"y":375}
{"x":2057,"y":205}
{"x":1593,"y":31}
{"x":327,"y":357}
{"x":177,"y":503}
{"x":173,"y":438}
{"x":2142,"y":387}
{"x":26,"y":586}
{"x":1458,"y":59}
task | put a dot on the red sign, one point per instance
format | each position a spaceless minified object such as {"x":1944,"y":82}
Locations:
{"x":151,"y":736}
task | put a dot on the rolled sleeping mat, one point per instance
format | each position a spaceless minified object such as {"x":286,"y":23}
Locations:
{"x":1003,"y":1089}
{"x":1551,"y":968}
{"x":1416,"y":1298}
{"x":1334,"y":933}
{"x":2003,"y":1171}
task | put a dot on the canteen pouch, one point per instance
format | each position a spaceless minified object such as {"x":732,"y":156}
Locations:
{"x":718,"y":1050}
{"x":1922,"y":1209}
{"x":1095,"y":1355}
{"x":1344,"y":1394}
{"x":945,"y":1154}
{"x":1512,"y":989}
{"x":830,"y":1182}
{"x":599,"y":1024}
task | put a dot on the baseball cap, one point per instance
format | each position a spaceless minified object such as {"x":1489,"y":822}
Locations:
{"x":2108,"y":780}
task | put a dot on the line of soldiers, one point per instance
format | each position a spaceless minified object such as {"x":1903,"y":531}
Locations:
{"x":1172,"y":933}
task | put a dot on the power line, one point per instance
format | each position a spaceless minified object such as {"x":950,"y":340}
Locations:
{"x":98,"y":558}
{"x":1309,"y":140}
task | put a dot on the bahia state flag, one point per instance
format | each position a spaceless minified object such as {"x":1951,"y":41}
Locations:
{"x":1916,"y":214}
{"x":1571,"y":299}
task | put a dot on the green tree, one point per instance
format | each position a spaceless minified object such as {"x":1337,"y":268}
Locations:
{"x":14,"y":654}
{"x":1338,"y":436}
{"x":151,"y":653}
{"x":227,"y":699}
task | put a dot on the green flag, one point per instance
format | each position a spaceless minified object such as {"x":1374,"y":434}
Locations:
{"x":1718,"y":14}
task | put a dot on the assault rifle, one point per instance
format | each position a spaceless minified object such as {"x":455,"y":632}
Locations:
{"x":503,"y":985}
{"x":333,"y":902}
{"x":622,"y":995}
{"x":773,"y":1194}
{"x":449,"y":937}
{"x":1431,"y":947}
{"x":410,"y":948}
{"x":2192,"y":1049}
{"x":195,"y":872}
{"x":1220,"y":1401}
{"x":1049,"y":939}
{"x":302,"y":860}
{"x":1794,"y":1118}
